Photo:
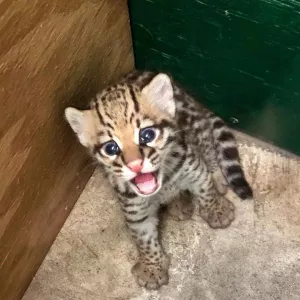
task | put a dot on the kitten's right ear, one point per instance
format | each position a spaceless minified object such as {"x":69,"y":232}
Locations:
{"x":159,"y":92}
{"x":76,"y":119}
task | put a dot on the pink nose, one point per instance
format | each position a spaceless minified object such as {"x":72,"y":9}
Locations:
{"x":135,"y":165}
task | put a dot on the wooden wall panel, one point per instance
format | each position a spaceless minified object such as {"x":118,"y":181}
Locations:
{"x":52,"y":54}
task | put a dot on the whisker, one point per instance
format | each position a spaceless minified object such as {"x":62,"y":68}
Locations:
{"x":93,"y":163}
{"x":186,"y":129}
{"x":167,"y":167}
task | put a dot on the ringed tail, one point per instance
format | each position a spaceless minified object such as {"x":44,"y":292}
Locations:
{"x":229,"y":159}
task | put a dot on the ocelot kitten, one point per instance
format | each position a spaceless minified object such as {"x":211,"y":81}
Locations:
{"x":158,"y":146}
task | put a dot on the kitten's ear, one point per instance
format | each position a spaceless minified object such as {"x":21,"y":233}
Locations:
{"x":76,"y":119}
{"x":160,"y":93}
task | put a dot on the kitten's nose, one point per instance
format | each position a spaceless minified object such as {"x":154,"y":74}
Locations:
{"x":135,"y":165}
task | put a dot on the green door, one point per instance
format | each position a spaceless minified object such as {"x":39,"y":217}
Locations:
{"x":242,"y":56}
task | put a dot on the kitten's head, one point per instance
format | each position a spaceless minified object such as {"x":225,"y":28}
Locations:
{"x":130,"y":130}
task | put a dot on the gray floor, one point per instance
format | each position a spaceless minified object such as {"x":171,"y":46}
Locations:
{"x":258,"y":257}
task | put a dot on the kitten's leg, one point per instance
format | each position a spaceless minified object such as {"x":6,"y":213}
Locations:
{"x":182,"y":207}
{"x":151,"y":271}
{"x":220,"y":181}
{"x":215,"y":209}
{"x":207,"y":148}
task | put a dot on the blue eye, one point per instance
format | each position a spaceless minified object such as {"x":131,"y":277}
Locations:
{"x":111,"y":148}
{"x":147,"y":135}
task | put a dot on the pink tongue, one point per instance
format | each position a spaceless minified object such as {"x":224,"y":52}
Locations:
{"x":146,"y":183}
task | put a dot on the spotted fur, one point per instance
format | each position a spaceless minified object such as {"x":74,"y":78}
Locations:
{"x":194,"y":154}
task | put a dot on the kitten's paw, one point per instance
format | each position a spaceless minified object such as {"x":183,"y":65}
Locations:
{"x":220,"y":182}
{"x":218,"y":215}
{"x":151,"y":276}
{"x":181,"y":209}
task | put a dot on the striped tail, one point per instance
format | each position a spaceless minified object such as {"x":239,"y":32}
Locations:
{"x":229,"y":159}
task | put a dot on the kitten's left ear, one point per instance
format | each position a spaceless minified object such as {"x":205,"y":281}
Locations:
{"x":159,"y":92}
{"x":77,"y":119}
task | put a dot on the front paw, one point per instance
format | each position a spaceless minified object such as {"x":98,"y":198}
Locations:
{"x":218,"y":215}
{"x":151,"y":275}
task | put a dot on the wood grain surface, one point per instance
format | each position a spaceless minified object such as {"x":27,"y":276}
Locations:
{"x":52,"y":54}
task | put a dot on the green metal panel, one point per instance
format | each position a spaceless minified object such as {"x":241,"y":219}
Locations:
{"x":242,"y":56}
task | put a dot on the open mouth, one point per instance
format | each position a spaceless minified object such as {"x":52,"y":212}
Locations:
{"x":146,"y":183}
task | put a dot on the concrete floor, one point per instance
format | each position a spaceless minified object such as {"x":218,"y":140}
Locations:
{"x":258,"y":257}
